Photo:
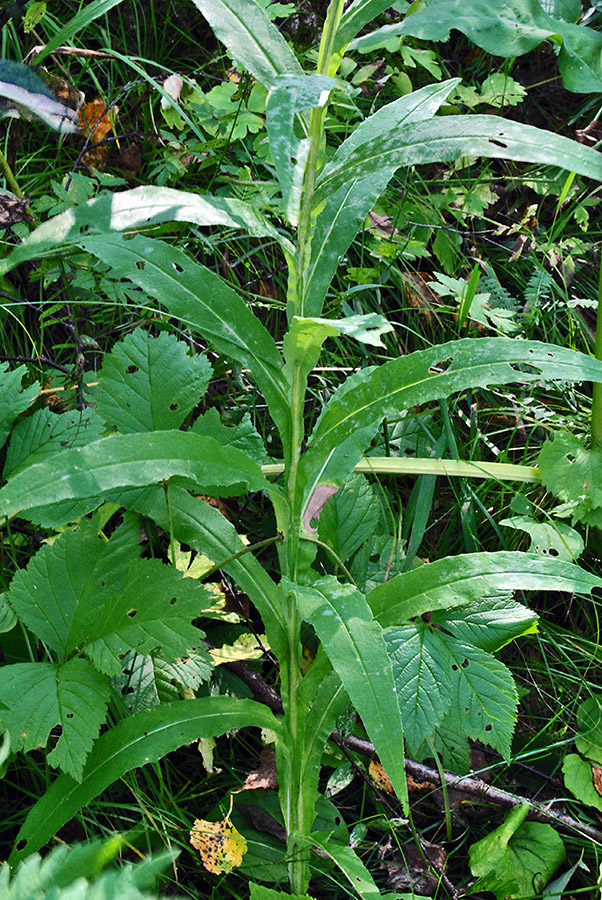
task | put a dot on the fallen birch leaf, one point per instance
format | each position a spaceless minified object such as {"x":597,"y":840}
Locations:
{"x":221,"y":847}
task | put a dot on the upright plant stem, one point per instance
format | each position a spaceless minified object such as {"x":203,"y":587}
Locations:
{"x":294,"y":809}
{"x":596,"y":424}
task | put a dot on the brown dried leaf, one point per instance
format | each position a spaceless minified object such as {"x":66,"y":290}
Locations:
{"x":13,"y":209}
{"x":264,"y":776}
{"x":220,"y":845}
{"x":419,"y":295}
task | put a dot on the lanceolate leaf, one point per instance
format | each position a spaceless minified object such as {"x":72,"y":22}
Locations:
{"x":424,"y":376}
{"x":134,"y":742}
{"x":446,"y":139}
{"x":356,"y":648}
{"x":251,"y":38}
{"x":459,"y":580}
{"x":204,"y":302}
{"x":140,"y":208}
{"x":345,"y":211}
{"x":289,"y":96}
{"x":358,"y":14}
{"x":115,"y":462}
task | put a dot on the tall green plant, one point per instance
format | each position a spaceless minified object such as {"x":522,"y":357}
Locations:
{"x":427,"y":676}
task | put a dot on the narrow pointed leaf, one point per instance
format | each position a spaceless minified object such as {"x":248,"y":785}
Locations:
{"x":115,"y":462}
{"x":355,"y":645}
{"x":344,"y":212}
{"x":134,"y":742}
{"x":140,"y":207}
{"x":255,"y":42}
{"x":459,"y":580}
{"x":201,"y":300}
{"x":290,"y":95}
{"x":424,"y":376}
{"x":447,"y":138}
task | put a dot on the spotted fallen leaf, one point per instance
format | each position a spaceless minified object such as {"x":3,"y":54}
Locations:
{"x":264,"y":776}
{"x":597,"y":779}
{"x":221,"y":847}
{"x":379,"y":776}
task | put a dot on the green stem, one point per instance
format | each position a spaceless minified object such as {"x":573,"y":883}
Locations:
{"x":298,"y":819}
{"x":596,"y":424}
{"x":11,"y":181}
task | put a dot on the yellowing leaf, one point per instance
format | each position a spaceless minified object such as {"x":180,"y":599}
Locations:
{"x":246,"y":646}
{"x":220,"y":845}
{"x":380,"y":777}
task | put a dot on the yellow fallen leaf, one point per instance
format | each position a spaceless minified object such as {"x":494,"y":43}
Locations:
{"x":380,"y":777}
{"x":220,"y":845}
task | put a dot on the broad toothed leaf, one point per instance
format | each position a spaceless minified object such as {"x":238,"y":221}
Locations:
{"x":90,"y":595}
{"x":36,"y":697}
{"x":149,"y":383}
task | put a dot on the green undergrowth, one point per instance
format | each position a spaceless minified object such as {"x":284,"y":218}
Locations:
{"x":300,"y":449}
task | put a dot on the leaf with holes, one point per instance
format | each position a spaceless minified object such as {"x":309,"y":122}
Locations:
{"x":484,"y":696}
{"x":141,"y":207}
{"x":149,"y":383}
{"x":447,"y":139}
{"x":290,"y":95}
{"x":423,"y":677}
{"x":551,"y":539}
{"x":83,"y":594}
{"x":572,"y":474}
{"x":201,"y":300}
{"x":221,"y":847}
{"x":351,"y":417}
{"x":37,"y":697}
